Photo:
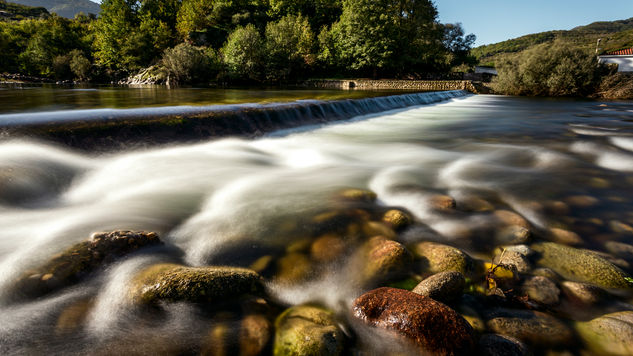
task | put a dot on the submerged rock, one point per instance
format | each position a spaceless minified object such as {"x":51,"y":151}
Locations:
{"x":428,"y":325}
{"x":437,"y":258}
{"x":501,"y":345}
{"x":293,"y":268}
{"x":357,"y":195}
{"x":443,"y":286}
{"x":78,"y":261}
{"x":509,"y":218}
{"x":172,"y":283}
{"x":611,"y":334}
{"x":565,"y":237}
{"x":583,"y":294}
{"x":397,"y":219}
{"x":541,"y":290}
{"x":581,"y":266}
{"x":532,"y":327}
{"x":307,"y":330}
{"x":380,"y":259}
{"x":443,"y":203}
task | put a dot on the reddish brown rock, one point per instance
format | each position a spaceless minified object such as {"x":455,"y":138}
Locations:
{"x":430,"y":326}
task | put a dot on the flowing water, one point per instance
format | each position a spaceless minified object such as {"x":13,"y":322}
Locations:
{"x":232,"y":201}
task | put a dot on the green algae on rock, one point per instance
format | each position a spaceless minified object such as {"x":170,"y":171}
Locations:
{"x":307,"y":330}
{"x":380,"y":259}
{"x":581,"y":266}
{"x":172,"y":283}
{"x":610,"y":334}
{"x":437,"y":258}
{"x":81,"y":259}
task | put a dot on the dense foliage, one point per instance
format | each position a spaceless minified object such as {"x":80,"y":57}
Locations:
{"x":550,"y":70}
{"x":238,"y":40}
{"x":64,"y":8}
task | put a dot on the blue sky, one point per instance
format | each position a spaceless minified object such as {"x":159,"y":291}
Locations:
{"x":498,"y":20}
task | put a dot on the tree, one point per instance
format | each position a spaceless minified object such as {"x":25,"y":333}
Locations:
{"x":80,"y":65}
{"x":189,"y":64}
{"x":242,"y":53}
{"x":289,"y":47}
{"x":319,"y":13}
{"x":550,"y":70}
{"x":458,"y":45}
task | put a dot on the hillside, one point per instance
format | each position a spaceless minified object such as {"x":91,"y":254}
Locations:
{"x":11,"y":11}
{"x":614,"y":35}
{"x":65,"y":8}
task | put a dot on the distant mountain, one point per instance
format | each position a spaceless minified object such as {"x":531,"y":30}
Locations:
{"x":614,"y":35}
{"x":65,"y":8}
{"x":11,"y":11}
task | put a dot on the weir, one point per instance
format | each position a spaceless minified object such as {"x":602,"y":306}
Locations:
{"x":122,"y":128}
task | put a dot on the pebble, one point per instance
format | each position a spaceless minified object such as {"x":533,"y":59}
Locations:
{"x":611,"y":334}
{"x":307,"y":330}
{"x":532,"y":327}
{"x":541,"y":290}
{"x":435,"y":258}
{"x":501,"y":345}
{"x":443,"y":286}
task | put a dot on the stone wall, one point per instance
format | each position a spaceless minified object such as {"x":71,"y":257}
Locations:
{"x":421,"y":85}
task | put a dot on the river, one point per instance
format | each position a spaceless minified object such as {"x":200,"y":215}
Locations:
{"x":560,"y":164}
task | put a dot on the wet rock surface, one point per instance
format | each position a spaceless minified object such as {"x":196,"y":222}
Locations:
{"x":172,"y":283}
{"x":307,"y":330}
{"x":581,"y":266}
{"x":429,"y":325}
{"x":500,"y":345}
{"x":532,"y":327}
{"x":434,"y":257}
{"x":443,"y":286}
{"x":78,"y":261}
{"x":611,"y":334}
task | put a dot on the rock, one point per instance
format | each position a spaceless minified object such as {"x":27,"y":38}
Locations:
{"x":375,"y":228}
{"x":515,"y":259}
{"x":620,"y":249}
{"x":172,"y":283}
{"x":380,"y":259}
{"x":532,"y":327}
{"x":564,"y":237}
{"x":397,"y":219}
{"x":500,"y":345}
{"x":581,"y":266}
{"x":475,"y":204}
{"x":611,"y":334}
{"x":255,"y":334}
{"x":581,"y":201}
{"x":262,"y":264}
{"x":307,"y":330}
{"x":582,"y":293}
{"x":437,"y":258}
{"x":557,"y":208}
{"x":541,"y":290}
{"x":620,"y":228}
{"x":78,"y":261}
{"x":327,"y":248}
{"x":513,"y":235}
{"x":357,"y":195}
{"x":220,"y":341}
{"x":443,"y":286}
{"x":546,"y":272}
{"x":428,"y":325}
{"x":293,"y":268}
{"x":509,"y":218}
{"x":473,"y":318}
{"x":73,"y":316}
{"x":442,"y":203}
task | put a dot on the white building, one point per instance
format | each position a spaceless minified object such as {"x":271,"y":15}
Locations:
{"x":623,"y":58}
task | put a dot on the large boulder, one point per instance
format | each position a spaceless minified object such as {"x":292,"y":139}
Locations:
{"x":611,"y":334}
{"x":172,"y":283}
{"x":78,"y":261}
{"x":307,"y":330}
{"x":428,"y":325}
{"x":581,"y":266}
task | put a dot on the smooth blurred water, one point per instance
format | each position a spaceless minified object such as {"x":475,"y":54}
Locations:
{"x":217,"y":201}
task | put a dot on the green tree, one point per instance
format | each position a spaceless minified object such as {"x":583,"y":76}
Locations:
{"x":458,"y":45}
{"x":189,"y":64}
{"x":552,"y":69}
{"x":242,"y":53}
{"x":289,"y":47}
{"x":80,"y":66}
{"x":319,"y":13}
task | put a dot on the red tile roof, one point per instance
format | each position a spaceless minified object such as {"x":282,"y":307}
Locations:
{"x":621,"y":52}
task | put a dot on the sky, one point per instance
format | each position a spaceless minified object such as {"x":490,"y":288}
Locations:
{"x":494,"y":21}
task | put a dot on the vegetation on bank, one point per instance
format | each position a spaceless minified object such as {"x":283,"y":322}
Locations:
{"x":238,"y":41}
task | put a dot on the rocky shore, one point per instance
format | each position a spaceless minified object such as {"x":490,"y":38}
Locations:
{"x":529,"y":292}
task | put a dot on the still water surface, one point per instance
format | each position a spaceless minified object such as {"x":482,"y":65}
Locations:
{"x":232,"y":201}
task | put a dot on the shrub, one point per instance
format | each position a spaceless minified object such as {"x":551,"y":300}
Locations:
{"x":189,"y":64}
{"x":80,"y":65}
{"x":288,"y":43}
{"x":549,"y":70}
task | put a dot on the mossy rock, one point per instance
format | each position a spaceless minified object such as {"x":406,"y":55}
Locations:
{"x":172,"y":283}
{"x":611,"y":334}
{"x":437,"y":258}
{"x":357,"y":195}
{"x":397,"y":219}
{"x":78,"y":261}
{"x":581,"y":266}
{"x":307,"y":331}
{"x":381,"y":259}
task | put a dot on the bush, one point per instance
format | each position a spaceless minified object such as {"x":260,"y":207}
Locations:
{"x":186,"y":63}
{"x":242,"y":53}
{"x":549,"y":70}
{"x":80,"y":65}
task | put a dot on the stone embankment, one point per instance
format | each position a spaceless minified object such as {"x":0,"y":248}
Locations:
{"x":388,"y":84}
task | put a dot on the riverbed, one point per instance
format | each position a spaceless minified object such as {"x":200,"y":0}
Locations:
{"x":299,"y":206}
